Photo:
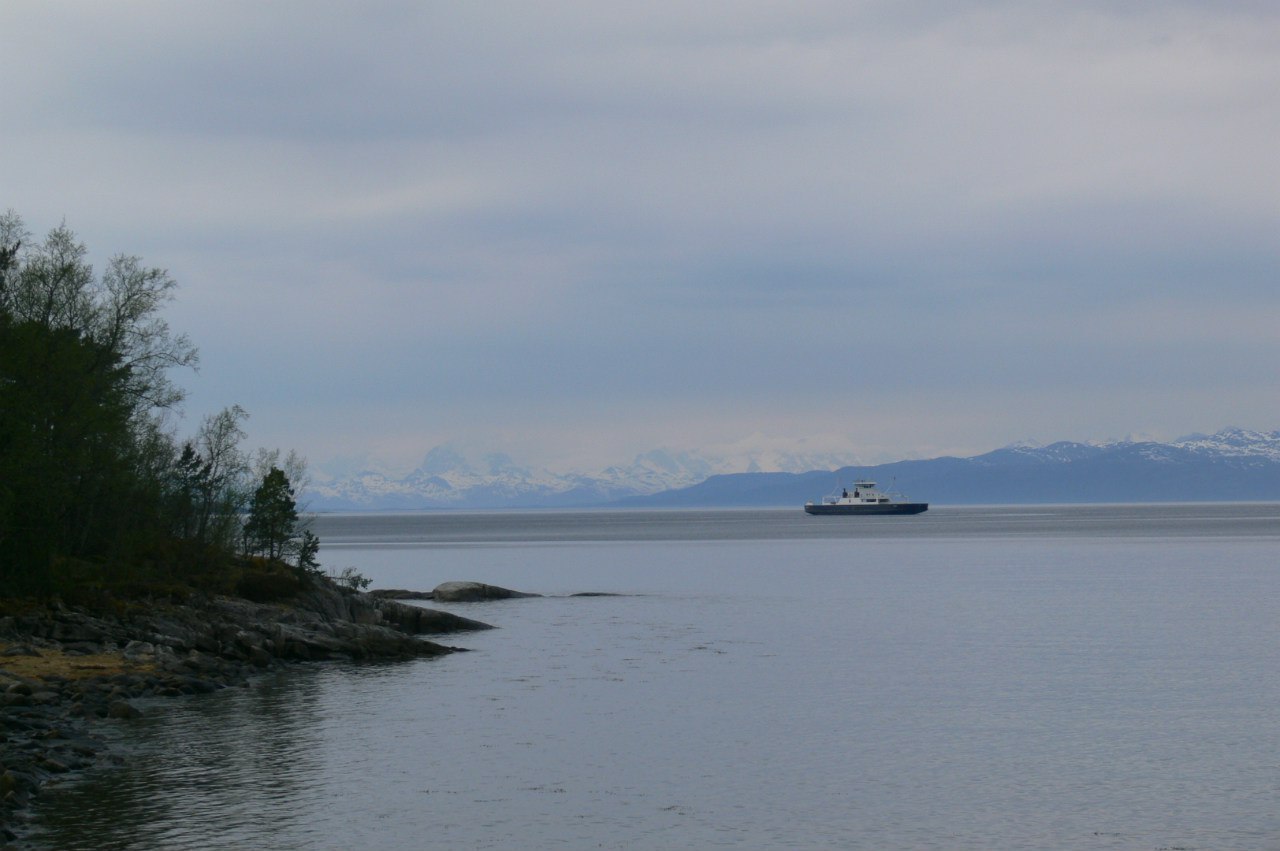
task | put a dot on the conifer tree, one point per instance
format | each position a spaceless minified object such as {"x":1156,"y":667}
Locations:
{"x":272,"y":526}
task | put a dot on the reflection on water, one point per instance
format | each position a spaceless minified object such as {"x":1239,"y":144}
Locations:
{"x":239,"y":760}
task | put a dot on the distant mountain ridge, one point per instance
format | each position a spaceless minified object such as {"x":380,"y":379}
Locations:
{"x":447,"y":479}
{"x":1234,"y":464}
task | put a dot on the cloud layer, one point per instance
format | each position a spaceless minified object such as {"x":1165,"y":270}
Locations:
{"x":574,"y":232}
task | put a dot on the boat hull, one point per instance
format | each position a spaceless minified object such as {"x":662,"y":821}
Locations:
{"x":882,"y":508}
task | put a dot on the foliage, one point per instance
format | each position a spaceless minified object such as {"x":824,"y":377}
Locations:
{"x":266,"y":582}
{"x":308,"y":552}
{"x":95,"y":489}
{"x":351,"y":579}
{"x":209,"y":492}
{"x":72,"y":415}
{"x":271,"y":528}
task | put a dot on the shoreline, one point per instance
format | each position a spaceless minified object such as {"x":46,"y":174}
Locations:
{"x":66,"y":670}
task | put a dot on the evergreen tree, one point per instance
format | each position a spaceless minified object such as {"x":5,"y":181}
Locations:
{"x":272,"y":526}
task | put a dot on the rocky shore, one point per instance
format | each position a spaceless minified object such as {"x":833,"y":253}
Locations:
{"x":66,"y":669}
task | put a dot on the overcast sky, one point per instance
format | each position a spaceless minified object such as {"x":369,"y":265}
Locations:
{"x":573,"y":231}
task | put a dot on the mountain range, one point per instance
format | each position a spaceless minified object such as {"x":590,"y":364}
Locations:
{"x":448,"y":479}
{"x":1234,"y":464}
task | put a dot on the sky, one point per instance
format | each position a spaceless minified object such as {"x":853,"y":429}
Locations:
{"x":576,"y":231}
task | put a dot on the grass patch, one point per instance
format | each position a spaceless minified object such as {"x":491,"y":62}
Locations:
{"x":69,"y":666}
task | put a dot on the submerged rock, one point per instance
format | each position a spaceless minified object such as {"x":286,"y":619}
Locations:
{"x":471,"y":592}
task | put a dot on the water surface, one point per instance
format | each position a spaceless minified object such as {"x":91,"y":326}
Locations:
{"x":979,"y":677}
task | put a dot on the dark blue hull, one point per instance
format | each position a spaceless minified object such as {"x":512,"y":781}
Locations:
{"x":882,"y":508}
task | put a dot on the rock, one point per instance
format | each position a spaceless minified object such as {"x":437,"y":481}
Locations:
{"x":13,"y":781}
{"x":417,"y":620}
{"x":470,"y":592}
{"x":400,"y":594}
{"x":123,"y":709}
{"x":139,"y":649}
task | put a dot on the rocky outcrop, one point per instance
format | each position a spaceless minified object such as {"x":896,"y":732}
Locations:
{"x":417,"y":620}
{"x":471,"y":592}
{"x":64,"y":669}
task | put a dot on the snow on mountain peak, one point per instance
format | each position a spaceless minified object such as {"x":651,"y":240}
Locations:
{"x":446,"y":478}
{"x":1235,"y":442}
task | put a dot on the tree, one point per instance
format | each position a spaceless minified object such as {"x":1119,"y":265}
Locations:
{"x":293,"y":464}
{"x":65,"y":443}
{"x":271,"y":528}
{"x":53,"y":286}
{"x":84,"y":388}
{"x":12,"y":234}
{"x":92,"y":477}
{"x":222,"y":492}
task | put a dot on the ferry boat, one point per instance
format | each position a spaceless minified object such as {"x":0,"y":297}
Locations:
{"x":865,"y":499}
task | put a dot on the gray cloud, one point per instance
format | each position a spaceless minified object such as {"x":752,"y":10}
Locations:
{"x":942,"y":225}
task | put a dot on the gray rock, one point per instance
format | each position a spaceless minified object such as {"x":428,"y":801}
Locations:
{"x":123,"y":709}
{"x":417,"y":620}
{"x":470,"y":592}
{"x":137,"y":649}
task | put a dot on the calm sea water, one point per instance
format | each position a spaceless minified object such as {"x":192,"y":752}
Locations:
{"x":1096,"y":677}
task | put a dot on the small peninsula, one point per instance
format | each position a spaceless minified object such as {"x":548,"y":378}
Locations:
{"x":137,"y":561}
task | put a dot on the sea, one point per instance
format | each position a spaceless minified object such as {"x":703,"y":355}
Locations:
{"x":976,"y":677}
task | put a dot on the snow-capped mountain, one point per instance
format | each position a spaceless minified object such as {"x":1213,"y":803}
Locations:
{"x":1234,"y":442}
{"x":1234,"y":464}
{"x":1228,"y":444}
{"x":448,"y":479}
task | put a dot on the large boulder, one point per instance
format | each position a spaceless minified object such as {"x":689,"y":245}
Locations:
{"x":472,"y":592}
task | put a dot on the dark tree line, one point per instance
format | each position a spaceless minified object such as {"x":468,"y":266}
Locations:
{"x":92,"y":478}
